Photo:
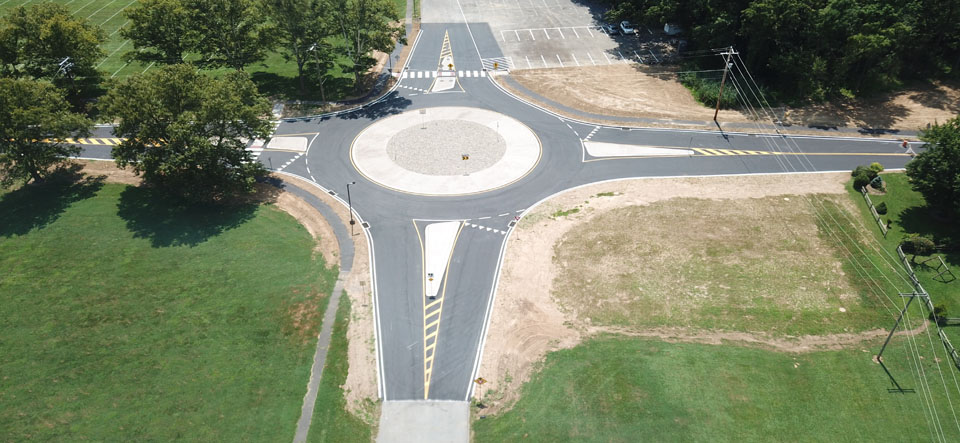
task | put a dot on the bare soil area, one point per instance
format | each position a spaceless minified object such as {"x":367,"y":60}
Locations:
{"x":629,"y":91}
{"x":533,"y":316}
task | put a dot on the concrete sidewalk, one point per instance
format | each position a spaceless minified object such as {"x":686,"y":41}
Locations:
{"x":424,"y":421}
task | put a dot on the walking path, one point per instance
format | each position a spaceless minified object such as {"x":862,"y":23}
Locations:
{"x":323,"y":340}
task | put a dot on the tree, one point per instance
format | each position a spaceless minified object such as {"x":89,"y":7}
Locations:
{"x":162,"y":31}
{"x":184,"y":132}
{"x":916,"y":244}
{"x":35,"y":40}
{"x":33,"y":115}
{"x":935,"y":173}
{"x":233,"y":33}
{"x":367,"y":25}
{"x":304,"y":28}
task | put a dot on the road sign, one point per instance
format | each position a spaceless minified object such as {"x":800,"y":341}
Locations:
{"x":480,"y":381}
{"x":450,"y":66}
{"x":496,"y":65}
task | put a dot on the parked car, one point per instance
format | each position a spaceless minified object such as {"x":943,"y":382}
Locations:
{"x":609,"y":29}
{"x":626,"y":28}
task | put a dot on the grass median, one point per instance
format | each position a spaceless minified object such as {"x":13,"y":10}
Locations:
{"x":127,"y":318}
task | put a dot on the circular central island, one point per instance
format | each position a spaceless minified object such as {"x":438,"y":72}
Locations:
{"x":446,"y":151}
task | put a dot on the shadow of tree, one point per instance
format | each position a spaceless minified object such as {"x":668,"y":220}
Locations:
{"x":925,"y":221}
{"x":35,"y":206}
{"x":937,"y":98}
{"x":391,"y":105}
{"x":167,"y":222}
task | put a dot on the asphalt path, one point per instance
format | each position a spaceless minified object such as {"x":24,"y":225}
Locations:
{"x":395,"y":220}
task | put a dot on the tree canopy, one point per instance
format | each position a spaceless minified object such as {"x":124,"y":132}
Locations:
{"x":233,"y":33}
{"x":161,"y":31}
{"x":35,"y":40}
{"x":366,"y":25}
{"x":817,"y":48}
{"x":935,"y":173}
{"x":33,"y":116}
{"x":186,"y":132}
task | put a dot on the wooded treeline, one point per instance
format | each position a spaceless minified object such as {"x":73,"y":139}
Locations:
{"x":817,"y":49}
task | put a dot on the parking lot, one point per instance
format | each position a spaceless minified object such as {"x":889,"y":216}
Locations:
{"x":555,"y":33}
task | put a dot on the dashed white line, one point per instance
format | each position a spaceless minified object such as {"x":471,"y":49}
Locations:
{"x":483,"y":218}
{"x":505,"y":213}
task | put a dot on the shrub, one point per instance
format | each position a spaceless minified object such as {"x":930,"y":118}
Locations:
{"x":862,"y":176}
{"x":706,"y":91}
{"x":939,"y":314}
{"x":861,"y":180}
{"x":876,"y":167}
{"x":917,"y":245}
{"x":882,"y":208}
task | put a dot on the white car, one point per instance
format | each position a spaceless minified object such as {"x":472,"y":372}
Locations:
{"x":626,"y":28}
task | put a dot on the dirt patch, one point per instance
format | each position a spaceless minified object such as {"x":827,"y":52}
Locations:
{"x":317,"y":226}
{"x":631,"y":91}
{"x":527,"y":322}
{"x":361,"y":386}
{"x":109,"y":170}
{"x":305,"y":319}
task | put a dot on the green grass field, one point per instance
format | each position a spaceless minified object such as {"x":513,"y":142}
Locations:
{"x":125,"y":318}
{"x":623,"y":390}
{"x":275,"y":76}
{"x":109,"y":16}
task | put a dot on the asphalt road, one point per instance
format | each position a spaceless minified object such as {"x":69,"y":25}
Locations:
{"x":394,"y":218}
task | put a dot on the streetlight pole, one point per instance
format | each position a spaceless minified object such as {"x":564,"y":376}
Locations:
{"x":350,"y":205}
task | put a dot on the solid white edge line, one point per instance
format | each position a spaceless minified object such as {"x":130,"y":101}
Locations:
{"x":496,"y":283}
{"x":381,"y":382}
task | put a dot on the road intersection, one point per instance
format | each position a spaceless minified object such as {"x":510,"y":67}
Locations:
{"x":428,"y":347}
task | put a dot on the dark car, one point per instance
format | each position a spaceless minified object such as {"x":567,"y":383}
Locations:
{"x":609,"y":29}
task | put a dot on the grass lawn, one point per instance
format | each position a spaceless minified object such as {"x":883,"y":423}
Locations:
{"x":331,"y":422}
{"x":125,"y":318}
{"x":623,"y":389}
{"x":909,"y":214}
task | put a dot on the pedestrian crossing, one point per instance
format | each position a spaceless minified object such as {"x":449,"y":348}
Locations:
{"x":435,"y":74}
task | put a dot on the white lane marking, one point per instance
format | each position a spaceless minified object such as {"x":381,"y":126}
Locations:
{"x":502,"y":38}
{"x":561,"y":61}
{"x":516,"y":34}
{"x":561,"y":34}
{"x":607,"y":57}
{"x":501,"y":215}
{"x":621,"y":56}
{"x":575,"y":58}
{"x":575,"y":32}
{"x":591,"y":59}
{"x":546,"y":33}
{"x":483,"y":73}
{"x":528,"y":62}
{"x":544,"y":60}
{"x":591,"y":32}
{"x":483,"y":218}
{"x":531,"y":34}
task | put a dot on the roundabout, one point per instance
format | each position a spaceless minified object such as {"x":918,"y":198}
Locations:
{"x":446,"y":151}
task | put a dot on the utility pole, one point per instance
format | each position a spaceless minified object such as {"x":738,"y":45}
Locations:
{"x":911,"y":296}
{"x":726,"y":67}
{"x":350,"y":205}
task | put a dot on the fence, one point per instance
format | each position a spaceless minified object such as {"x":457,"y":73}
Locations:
{"x":873,"y":210}
{"x":923,"y":295}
